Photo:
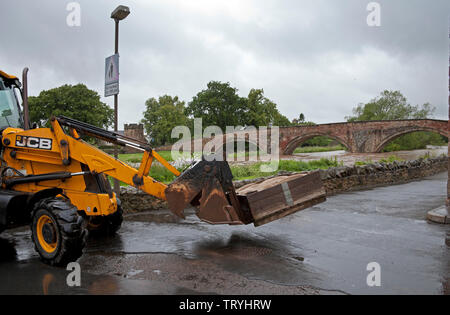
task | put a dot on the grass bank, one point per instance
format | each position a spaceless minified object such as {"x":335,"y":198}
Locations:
{"x":319,"y":149}
{"x":390,"y":159}
{"x":137,"y":157}
{"x":250,"y":171}
{"x":254,"y":170}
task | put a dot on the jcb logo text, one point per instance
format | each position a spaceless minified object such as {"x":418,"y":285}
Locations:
{"x":34,"y":142}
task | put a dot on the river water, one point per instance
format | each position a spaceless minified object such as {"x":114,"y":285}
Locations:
{"x":349,"y":159}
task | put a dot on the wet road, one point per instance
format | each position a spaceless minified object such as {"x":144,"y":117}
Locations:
{"x":322,"y":250}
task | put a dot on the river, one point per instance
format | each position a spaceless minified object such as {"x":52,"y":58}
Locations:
{"x":349,"y":159}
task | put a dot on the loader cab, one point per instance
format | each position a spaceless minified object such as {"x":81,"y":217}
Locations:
{"x":10,"y":92}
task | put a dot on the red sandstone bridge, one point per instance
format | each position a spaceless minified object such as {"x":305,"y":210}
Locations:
{"x":357,"y":137}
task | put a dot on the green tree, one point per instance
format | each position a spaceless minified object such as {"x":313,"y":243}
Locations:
{"x":300,"y":121}
{"x":319,"y":141}
{"x":280,"y":120}
{"x":415,"y":140}
{"x":218,"y":105}
{"x":161,"y":116}
{"x":74,"y":101}
{"x":261,"y":111}
{"x":392,"y":105}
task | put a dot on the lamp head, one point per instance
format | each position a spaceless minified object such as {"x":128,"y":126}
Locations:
{"x":120,"y":13}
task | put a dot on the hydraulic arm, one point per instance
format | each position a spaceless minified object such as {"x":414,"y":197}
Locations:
{"x":206,"y":184}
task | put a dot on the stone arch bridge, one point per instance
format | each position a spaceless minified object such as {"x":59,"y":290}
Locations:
{"x":357,"y":137}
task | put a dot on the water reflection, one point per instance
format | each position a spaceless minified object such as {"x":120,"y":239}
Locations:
{"x":263,"y":258}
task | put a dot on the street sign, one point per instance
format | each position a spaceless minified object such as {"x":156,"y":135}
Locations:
{"x":112,"y":75}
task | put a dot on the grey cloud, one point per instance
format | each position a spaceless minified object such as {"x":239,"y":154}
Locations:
{"x":315,"y":57}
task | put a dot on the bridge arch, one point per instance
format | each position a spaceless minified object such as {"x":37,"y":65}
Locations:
{"x":238,"y":154}
{"x":297,"y":141}
{"x":394,"y":136}
{"x":219,"y":144}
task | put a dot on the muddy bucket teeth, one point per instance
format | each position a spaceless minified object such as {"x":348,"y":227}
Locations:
{"x":208,"y":186}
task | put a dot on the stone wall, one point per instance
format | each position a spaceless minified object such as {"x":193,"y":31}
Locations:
{"x":336,"y":180}
{"x":341,"y":179}
{"x":135,"y":131}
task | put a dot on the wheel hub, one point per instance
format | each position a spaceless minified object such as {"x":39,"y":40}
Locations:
{"x":49,"y":233}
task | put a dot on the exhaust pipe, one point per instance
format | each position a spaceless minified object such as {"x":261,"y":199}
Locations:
{"x":26,"y":113}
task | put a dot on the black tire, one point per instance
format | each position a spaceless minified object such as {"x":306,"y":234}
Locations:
{"x":106,"y":226}
{"x":64,"y":227}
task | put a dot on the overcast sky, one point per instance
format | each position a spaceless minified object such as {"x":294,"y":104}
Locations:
{"x":319,"y":58}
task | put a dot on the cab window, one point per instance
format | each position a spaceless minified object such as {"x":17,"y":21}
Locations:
{"x":9,"y":106}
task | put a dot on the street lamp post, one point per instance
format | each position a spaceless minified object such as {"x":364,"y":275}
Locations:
{"x":120,"y":13}
{"x":447,"y":238}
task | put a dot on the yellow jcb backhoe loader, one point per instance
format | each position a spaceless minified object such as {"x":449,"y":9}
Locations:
{"x":56,"y":182}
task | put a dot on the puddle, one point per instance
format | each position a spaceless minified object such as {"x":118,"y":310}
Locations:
{"x":163,"y":216}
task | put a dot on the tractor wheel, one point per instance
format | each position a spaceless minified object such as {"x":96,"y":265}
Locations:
{"x":57,"y":231}
{"x":106,"y":226}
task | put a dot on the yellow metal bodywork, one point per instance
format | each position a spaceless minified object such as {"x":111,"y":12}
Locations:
{"x":7,"y":76}
{"x":67,"y":154}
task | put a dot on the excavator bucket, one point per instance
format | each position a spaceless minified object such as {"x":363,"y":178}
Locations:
{"x":208,"y":186}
